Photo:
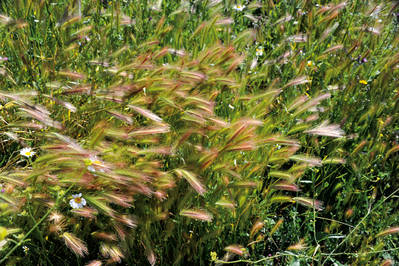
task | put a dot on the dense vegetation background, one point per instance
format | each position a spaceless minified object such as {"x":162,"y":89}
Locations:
{"x":202,"y":132}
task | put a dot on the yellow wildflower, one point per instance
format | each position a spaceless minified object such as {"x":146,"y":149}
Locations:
{"x":214,"y":256}
{"x":4,"y":233}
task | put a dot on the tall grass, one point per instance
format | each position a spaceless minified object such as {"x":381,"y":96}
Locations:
{"x":175,"y":132}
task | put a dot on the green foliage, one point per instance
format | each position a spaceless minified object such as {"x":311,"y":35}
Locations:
{"x":176,"y":132}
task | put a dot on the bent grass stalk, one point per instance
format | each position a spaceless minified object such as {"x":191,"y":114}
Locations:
{"x":360,"y":254}
{"x":265,"y":259}
{"x":357,"y":226}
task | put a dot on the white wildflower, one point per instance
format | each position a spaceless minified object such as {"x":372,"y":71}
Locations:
{"x":27,"y":152}
{"x":25,"y":249}
{"x":259,"y":51}
{"x":77,"y":202}
{"x":238,"y":7}
{"x":93,"y":163}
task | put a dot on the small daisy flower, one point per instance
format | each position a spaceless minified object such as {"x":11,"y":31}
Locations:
{"x":77,"y":202}
{"x":364,"y":82}
{"x":26,"y":249}
{"x":94,"y":160}
{"x":310,"y":63}
{"x":238,"y":7}
{"x":27,"y":152}
{"x":259,"y":51}
{"x":94,"y":163}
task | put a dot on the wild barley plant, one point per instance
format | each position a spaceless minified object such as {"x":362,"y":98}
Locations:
{"x":157,"y":139}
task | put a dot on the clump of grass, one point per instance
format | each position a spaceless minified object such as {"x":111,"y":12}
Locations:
{"x":189,"y":129}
